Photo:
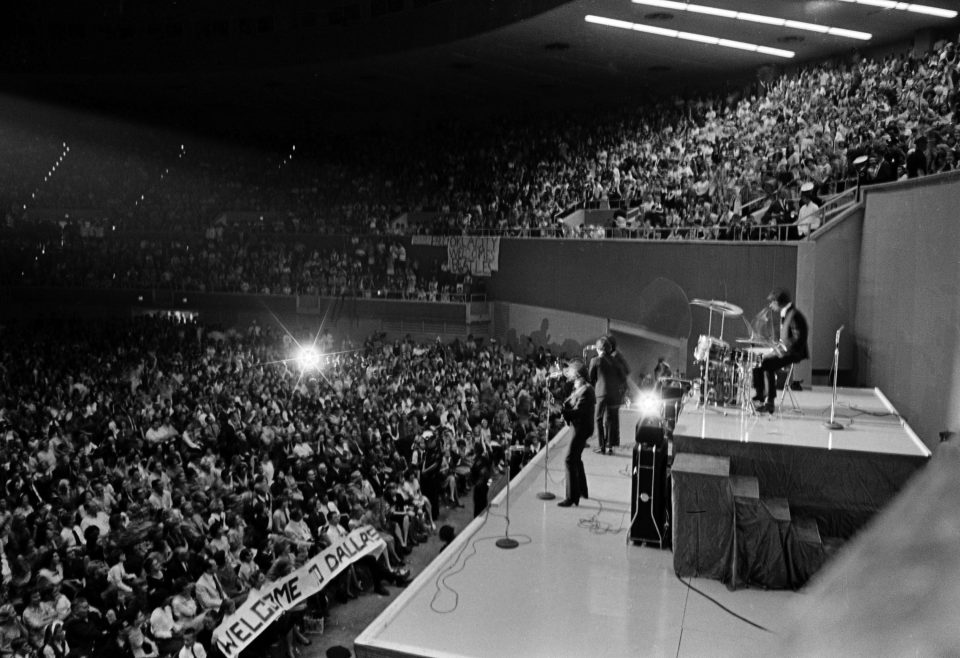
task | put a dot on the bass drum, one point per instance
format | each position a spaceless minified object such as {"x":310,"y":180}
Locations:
{"x":710,"y":348}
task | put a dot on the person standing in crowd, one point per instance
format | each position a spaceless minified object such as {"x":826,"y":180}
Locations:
{"x":608,"y":375}
{"x":917,"y":159}
{"x":790,"y":349}
{"x":578,"y":412}
{"x":808,"y":218}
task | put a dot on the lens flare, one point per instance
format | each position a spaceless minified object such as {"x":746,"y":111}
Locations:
{"x":649,"y":404}
{"x":308,"y":358}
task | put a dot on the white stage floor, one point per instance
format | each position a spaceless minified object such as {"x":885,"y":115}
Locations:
{"x":870,"y":423}
{"x":576,"y":586}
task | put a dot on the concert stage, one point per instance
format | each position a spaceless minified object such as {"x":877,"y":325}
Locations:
{"x":839,"y":477}
{"x":577,"y":587}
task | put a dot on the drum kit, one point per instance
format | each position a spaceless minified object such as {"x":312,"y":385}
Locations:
{"x":725,"y":370}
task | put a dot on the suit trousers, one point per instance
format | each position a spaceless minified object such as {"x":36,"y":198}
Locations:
{"x":576,"y":475}
{"x":608,"y":422}
{"x":768,"y":370}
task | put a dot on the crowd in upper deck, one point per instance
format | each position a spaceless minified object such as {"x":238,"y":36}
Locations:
{"x":716,"y":167}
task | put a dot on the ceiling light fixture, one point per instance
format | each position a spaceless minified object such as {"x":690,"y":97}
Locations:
{"x":688,"y":36}
{"x":907,"y":6}
{"x":759,"y":18}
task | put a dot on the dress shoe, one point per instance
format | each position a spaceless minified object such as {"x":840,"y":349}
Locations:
{"x":381,"y":590}
{"x":757,"y":398}
{"x":568,"y":503}
{"x":600,"y":451}
{"x":767,"y":408}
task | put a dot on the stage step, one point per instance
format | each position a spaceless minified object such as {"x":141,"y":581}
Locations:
{"x":805,"y":551}
{"x":703,"y":516}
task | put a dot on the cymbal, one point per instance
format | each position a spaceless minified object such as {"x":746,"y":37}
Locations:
{"x":716,"y":306}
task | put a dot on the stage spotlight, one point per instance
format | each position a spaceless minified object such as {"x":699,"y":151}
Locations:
{"x":649,"y":404}
{"x":308,"y":358}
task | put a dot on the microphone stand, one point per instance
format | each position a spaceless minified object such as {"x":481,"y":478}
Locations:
{"x":507,"y":541}
{"x":832,"y":424}
{"x":546,"y":495}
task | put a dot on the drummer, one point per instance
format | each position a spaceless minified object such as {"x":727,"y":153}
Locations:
{"x":790,"y":349}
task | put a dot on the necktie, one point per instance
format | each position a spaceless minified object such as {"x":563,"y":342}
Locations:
{"x":216,"y":581}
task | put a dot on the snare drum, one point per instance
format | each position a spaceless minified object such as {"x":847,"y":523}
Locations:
{"x":711,"y":348}
{"x":749,"y":357}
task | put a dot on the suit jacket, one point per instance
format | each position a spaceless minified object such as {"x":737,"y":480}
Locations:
{"x":208,"y":595}
{"x":793,"y":335}
{"x":608,"y":375}
{"x":578,"y":411}
{"x":175,"y":569}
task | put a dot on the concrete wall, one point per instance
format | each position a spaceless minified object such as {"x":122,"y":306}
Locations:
{"x":607,"y":279}
{"x":561,"y":331}
{"x":908,"y":311}
{"x":832,"y":262}
{"x":358,"y":318}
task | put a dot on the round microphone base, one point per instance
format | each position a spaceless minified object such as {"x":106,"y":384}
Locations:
{"x":507,"y":542}
{"x":832,"y":425}
{"x":546,"y":495}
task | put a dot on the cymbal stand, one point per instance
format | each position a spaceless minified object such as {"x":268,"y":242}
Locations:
{"x":705,"y":380}
{"x":746,"y":385}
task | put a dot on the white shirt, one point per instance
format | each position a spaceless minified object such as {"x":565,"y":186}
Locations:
{"x":808,"y":219}
{"x":162,"y":624}
{"x":196,"y":651}
{"x":117,"y":575}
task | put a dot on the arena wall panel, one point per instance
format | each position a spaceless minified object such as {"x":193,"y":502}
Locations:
{"x":605,"y":278}
{"x":908,"y":311}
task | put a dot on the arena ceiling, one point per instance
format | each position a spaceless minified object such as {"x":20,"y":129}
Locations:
{"x":410,"y":58}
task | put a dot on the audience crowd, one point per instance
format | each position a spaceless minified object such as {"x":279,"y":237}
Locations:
{"x":685,"y":168}
{"x":157,"y":471}
{"x":372,"y":267}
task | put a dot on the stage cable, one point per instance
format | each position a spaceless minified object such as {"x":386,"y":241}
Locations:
{"x":723,"y":607}
{"x":455,"y":568}
{"x":595,"y":526}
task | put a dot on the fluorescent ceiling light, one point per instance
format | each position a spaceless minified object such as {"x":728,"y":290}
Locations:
{"x":687,"y":36}
{"x":766,"y":20}
{"x":907,"y":6}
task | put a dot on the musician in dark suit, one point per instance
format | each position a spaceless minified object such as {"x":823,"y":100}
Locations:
{"x":791,"y":348}
{"x":578,"y":412}
{"x":608,"y":376}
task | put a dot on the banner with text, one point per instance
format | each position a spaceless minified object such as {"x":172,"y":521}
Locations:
{"x":255,"y":614}
{"x":478,"y":255}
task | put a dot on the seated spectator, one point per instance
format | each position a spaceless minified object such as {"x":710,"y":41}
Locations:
{"x":55,"y":641}
{"x":37,"y":616}
{"x":184,"y":606}
{"x":86,"y":629}
{"x":164,"y":628}
{"x":11,"y":630}
{"x":191,"y":648}
{"x":209,"y":591}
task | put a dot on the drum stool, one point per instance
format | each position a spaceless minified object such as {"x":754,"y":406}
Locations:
{"x":789,"y":391}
